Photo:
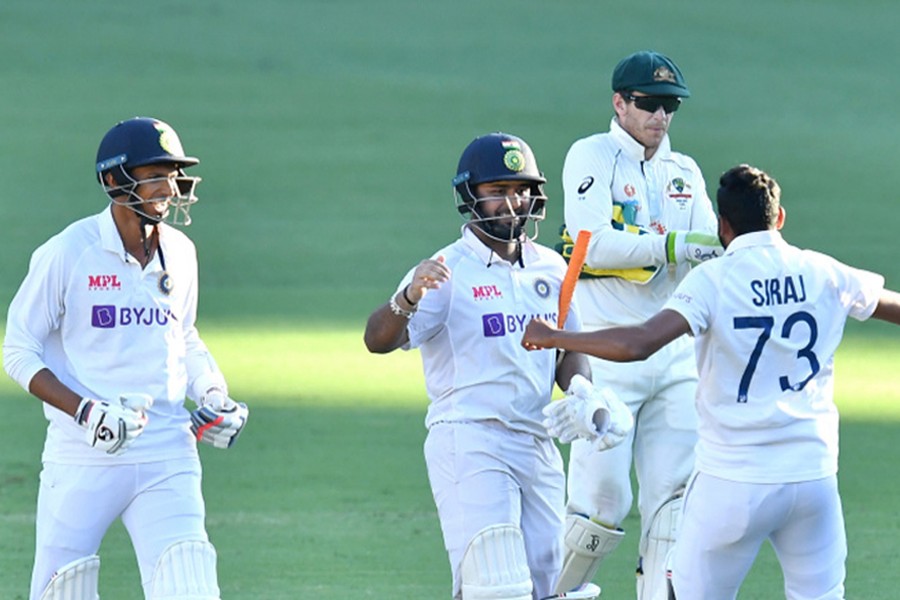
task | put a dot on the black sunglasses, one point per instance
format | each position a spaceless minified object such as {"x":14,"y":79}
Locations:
{"x":652,"y":103}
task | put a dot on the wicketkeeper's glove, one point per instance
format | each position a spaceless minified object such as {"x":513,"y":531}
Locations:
{"x":691,"y":247}
{"x":590,"y":414}
{"x":112,"y":427}
{"x":219,"y":420}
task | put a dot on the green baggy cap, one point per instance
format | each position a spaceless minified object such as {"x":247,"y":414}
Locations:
{"x":651,"y":73}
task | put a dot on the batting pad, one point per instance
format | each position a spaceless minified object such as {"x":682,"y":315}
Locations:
{"x":652,"y":580}
{"x":75,"y":581}
{"x":186,"y":571}
{"x":494,"y":566}
{"x":587,"y":544}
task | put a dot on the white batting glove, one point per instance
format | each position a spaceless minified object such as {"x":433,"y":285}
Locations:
{"x":692,"y":247}
{"x":621,"y":422}
{"x":590,"y":414}
{"x":113,"y":427}
{"x":219,"y":420}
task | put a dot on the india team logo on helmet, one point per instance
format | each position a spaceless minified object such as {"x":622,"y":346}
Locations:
{"x":168,"y":139}
{"x":513,"y":157}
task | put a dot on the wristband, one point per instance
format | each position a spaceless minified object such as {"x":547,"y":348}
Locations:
{"x":405,"y":297}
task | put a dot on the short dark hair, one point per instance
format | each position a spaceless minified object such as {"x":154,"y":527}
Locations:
{"x":749,"y":199}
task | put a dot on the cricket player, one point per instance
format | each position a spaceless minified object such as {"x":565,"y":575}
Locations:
{"x":768,"y":318}
{"x":495,"y":473}
{"x":102,"y":330}
{"x":650,"y":220}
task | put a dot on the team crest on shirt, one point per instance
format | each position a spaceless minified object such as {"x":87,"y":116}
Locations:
{"x":629,"y":190}
{"x":165,"y":283}
{"x":542,"y":288}
{"x":680,"y":191}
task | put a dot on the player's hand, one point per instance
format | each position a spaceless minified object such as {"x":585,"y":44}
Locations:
{"x":219,"y":420}
{"x":112,"y":427}
{"x":429,"y":274}
{"x":590,"y":414}
{"x":538,"y":335}
{"x":692,"y":247}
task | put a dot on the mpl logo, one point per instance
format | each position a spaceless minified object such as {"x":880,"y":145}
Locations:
{"x":103,"y":282}
{"x":486,"y":292}
{"x":109,"y":316}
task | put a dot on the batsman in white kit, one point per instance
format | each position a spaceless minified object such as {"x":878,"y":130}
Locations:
{"x":495,"y":473}
{"x":767,"y":318}
{"x":102,"y":330}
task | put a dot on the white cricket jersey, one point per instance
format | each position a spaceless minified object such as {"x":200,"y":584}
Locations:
{"x":768,"y":318}
{"x":663,"y":194}
{"x":103,"y":325}
{"x":469,"y":332}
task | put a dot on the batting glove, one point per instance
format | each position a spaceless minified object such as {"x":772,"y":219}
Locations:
{"x":590,"y":414}
{"x":219,"y":420}
{"x":113,"y":427}
{"x":691,"y":247}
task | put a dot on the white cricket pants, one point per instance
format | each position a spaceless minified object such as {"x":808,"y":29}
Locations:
{"x":483,"y":474}
{"x":724,"y":523}
{"x":160,"y":503}
{"x":660,"y":392}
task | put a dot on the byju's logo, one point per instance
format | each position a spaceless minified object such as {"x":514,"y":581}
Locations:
{"x":103,"y":316}
{"x":493,"y":325}
{"x":108,"y":316}
{"x":498,"y":324}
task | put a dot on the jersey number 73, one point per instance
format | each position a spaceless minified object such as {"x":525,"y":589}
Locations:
{"x":766,"y":324}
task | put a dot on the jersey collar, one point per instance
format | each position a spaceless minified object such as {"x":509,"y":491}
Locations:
{"x":487,"y":256}
{"x":633,"y":149}
{"x":770,"y":237}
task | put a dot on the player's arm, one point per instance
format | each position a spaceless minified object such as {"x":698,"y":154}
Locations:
{"x":587,"y":184}
{"x":386,"y":328}
{"x":45,"y":386}
{"x":588,"y":205}
{"x":620,"y":344}
{"x":571,"y":364}
{"x":888,"y":308}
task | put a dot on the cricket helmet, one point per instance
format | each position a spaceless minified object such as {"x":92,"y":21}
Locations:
{"x":139,"y":142}
{"x":498,"y":157}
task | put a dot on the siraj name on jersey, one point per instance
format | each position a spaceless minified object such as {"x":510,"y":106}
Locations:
{"x":778,"y":290}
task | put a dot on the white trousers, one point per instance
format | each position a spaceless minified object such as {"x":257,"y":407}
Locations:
{"x":660,"y":392}
{"x":160,"y":503}
{"x":483,"y":474}
{"x":725,"y":522}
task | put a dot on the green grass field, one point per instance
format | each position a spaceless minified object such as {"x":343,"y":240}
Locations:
{"x":328,"y":133}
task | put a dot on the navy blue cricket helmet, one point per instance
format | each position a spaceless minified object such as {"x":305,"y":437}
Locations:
{"x":493,"y":157}
{"x":138,"y":142}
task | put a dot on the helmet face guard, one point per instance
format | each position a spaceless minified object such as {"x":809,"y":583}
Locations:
{"x":140,"y":142}
{"x":523,"y":209}
{"x":500,"y":157}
